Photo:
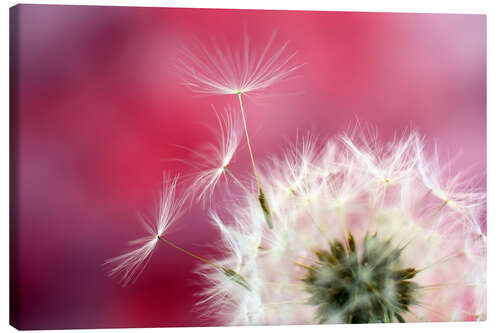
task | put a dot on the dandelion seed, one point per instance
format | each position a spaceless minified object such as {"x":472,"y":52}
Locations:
{"x":358,"y":257}
{"x":264,"y":205}
{"x":218,"y":70}
{"x":227,"y":71}
{"x":130,"y":265}
{"x":455,"y":192}
{"x":213,"y":162}
{"x":127,"y":267}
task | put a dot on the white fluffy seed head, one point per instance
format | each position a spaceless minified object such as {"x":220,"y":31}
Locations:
{"x":318,"y":192}
{"x":222,"y":70}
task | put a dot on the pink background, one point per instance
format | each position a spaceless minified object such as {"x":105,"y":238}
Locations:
{"x":99,"y":105}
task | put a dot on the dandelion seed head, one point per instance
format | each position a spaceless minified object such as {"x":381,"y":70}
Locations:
{"x":358,"y":236}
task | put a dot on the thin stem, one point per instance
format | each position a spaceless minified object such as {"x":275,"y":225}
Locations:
{"x":163,"y":239}
{"x":248,"y":140}
{"x":442,"y":260}
{"x":236,"y":180}
{"x":310,"y":259}
{"x":433,"y":310}
{"x":431,"y":307}
{"x":285,"y":284}
{"x":447,"y":285}
{"x":262,"y":198}
{"x":284,"y":302}
{"x":321,"y":231}
{"x":228,"y":272}
{"x":304,"y":266}
{"x":445,"y":202}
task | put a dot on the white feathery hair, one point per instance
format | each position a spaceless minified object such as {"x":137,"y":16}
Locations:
{"x":168,"y":209}
{"x":457,"y":190}
{"x":349,"y":183}
{"x":223,"y":70}
{"x":212,"y":160}
{"x":221,"y":295}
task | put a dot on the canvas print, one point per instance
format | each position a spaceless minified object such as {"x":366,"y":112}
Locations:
{"x":202,"y":167}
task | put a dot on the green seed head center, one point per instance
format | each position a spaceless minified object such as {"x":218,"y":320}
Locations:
{"x":370,"y":286}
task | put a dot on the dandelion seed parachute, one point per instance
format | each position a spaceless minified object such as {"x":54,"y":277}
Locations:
{"x":127,"y":267}
{"x":213,"y":161}
{"x":413,"y":256}
{"x":221,"y":70}
{"x":225,"y":71}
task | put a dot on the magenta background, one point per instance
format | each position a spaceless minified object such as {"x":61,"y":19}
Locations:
{"x":99,"y":105}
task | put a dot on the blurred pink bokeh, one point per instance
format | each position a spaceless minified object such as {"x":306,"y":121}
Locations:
{"x":100,"y":105}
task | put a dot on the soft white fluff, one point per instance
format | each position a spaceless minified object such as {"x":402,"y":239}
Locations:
{"x":318,"y":191}
{"x":222,"y":70}
{"x":127,"y":267}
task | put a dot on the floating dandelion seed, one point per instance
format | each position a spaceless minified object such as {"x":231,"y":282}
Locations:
{"x":213,"y":162}
{"x":227,"y":71}
{"x":130,"y":265}
{"x":169,"y":209}
{"x":238,"y":72}
{"x":453,"y":191}
{"x":348,"y":246}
